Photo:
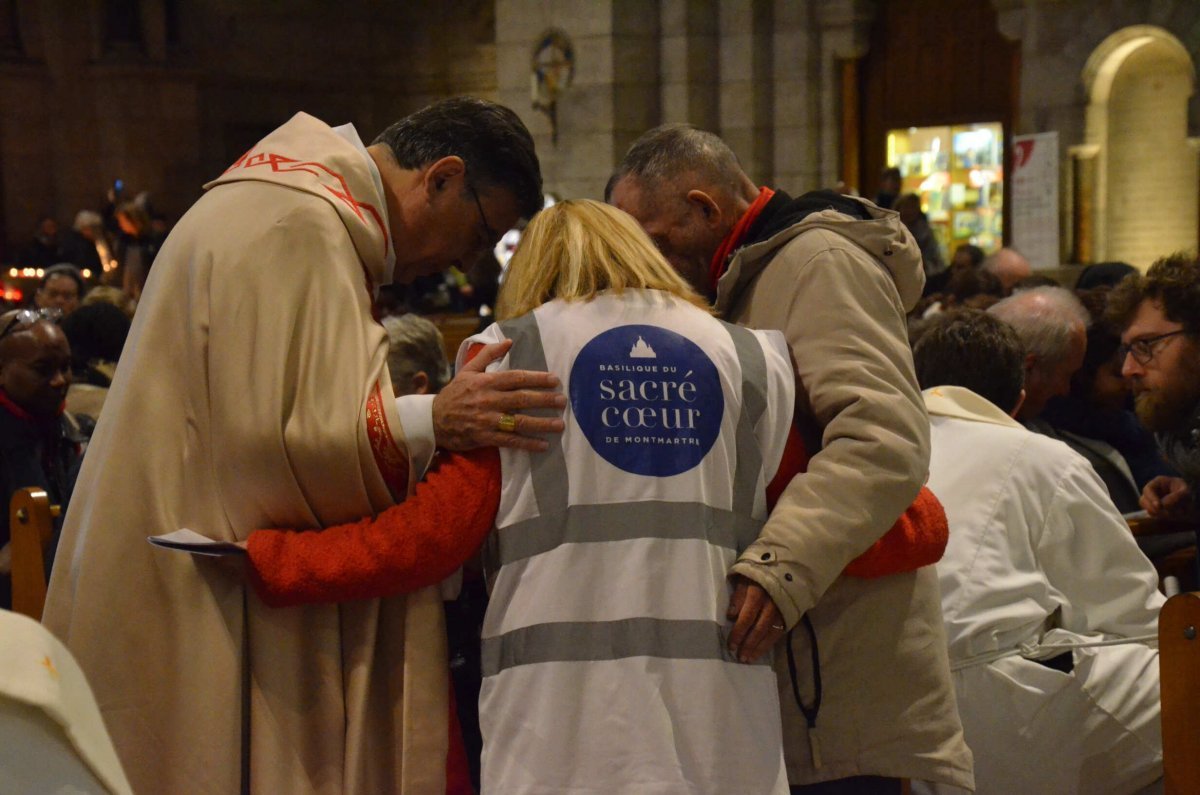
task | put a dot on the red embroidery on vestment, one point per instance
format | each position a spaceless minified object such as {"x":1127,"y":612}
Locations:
{"x":391,"y":460}
{"x":282,"y":164}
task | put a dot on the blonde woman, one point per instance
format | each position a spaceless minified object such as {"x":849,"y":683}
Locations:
{"x":606,"y":667}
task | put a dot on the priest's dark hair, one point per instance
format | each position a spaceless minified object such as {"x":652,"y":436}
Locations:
{"x":490,"y":138}
{"x":975,"y":350}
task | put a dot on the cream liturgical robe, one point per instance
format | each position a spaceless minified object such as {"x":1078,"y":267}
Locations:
{"x":1040,"y":565}
{"x":253,"y":392}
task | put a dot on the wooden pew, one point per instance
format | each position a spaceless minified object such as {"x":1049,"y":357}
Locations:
{"x":31,"y":524}
{"x":1182,"y":564}
{"x":455,"y":328}
{"x":1179,"y":680}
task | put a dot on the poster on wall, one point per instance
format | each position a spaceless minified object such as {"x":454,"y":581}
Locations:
{"x":1035,"y":198}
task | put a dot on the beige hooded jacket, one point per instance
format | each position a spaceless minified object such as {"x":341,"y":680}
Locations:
{"x":838,"y":288}
{"x":253,"y":392}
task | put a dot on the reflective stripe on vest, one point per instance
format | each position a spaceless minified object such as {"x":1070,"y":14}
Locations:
{"x":559,"y":523}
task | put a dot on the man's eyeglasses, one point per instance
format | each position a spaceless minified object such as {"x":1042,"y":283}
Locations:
{"x":1144,"y":350}
{"x":492,"y":235}
{"x":27,"y":317}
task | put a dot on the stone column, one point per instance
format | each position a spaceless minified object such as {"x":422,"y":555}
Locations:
{"x":797,"y":94}
{"x":845,"y":27}
{"x":747,"y":88}
{"x":689,"y":62}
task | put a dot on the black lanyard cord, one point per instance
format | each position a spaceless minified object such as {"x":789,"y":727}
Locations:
{"x":810,"y":713}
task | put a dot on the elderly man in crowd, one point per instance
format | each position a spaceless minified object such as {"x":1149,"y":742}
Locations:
{"x":1040,"y":575}
{"x":416,"y":355}
{"x":1052,"y":325}
{"x":253,"y":392}
{"x":1159,"y":314}
{"x":62,"y":288}
{"x":1009,"y":266}
{"x":40,"y":444}
{"x":870,"y":701}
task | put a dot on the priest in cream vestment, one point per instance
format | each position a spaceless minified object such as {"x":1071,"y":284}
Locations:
{"x":253,"y":392}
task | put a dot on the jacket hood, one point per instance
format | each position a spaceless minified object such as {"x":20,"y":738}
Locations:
{"x":877,"y":231}
{"x":306,"y":154}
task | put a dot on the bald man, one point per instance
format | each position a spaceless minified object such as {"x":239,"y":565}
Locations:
{"x":1052,"y":325}
{"x":1009,"y":266}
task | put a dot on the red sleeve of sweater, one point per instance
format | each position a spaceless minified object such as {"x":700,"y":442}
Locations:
{"x":409,"y":546}
{"x":918,"y":538}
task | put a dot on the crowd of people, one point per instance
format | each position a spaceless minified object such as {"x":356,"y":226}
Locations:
{"x":740,"y":493}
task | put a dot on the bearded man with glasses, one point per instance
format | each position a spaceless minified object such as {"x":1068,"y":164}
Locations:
{"x":1159,"y":314}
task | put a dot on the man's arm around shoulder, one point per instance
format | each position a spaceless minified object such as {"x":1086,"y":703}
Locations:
{"x":846,"y":329}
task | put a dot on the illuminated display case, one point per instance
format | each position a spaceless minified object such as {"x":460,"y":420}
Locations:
{"x":958,"y":171}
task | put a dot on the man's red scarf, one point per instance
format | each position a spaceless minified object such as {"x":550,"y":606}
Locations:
{"x":7,"y":403}
{"x":733,"y":240}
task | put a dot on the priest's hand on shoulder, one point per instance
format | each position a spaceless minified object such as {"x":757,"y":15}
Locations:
{"x":480,"y":409}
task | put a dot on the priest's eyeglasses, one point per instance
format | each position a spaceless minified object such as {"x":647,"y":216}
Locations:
{"x":27,"y":317}
{"x":1144,"y":350}
{"x":492,"y":235}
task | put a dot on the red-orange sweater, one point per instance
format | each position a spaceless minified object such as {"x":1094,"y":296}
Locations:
{"x":424,"y":539}
{"x":409,"y":546}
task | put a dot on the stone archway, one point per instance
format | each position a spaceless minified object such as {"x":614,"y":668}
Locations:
{"x":1143,"y":169}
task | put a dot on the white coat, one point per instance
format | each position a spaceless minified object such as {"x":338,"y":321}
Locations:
{"x":1040,"y":563}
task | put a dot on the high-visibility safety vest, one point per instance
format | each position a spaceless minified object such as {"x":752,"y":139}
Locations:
{"x":605,"y":659}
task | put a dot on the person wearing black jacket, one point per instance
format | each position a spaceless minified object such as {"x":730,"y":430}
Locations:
{"x":40,"y":444}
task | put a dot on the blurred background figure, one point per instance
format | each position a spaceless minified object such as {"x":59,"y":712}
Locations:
{"x":913,"y":217}
{"x":43,"y":250}
{"x":86,"y":245}
{"x":1104,"y":274}
{"x":416,"y":356}
{"x":1009,"y":266}
{"x":1035,"y":280}
{"x":62,"y":288}
{"x":97,"y":334}
{"x":967,"y":256}
{"x":966,"y":286}
{"x":889,"y":188}
{"x":104,"y":294}
{"x":136,"y":247}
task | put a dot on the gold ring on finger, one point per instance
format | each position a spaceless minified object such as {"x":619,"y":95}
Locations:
{"x":507,"y":423}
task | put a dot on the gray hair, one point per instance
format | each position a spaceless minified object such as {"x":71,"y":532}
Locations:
{"x":670,"y":150}
{"x":1045,"y":319}
{"x":415,"y":345}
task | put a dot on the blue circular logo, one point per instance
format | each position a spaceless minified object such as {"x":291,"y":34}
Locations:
{"x":648,"y":400}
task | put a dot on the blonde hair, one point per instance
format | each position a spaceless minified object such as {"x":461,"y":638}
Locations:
{"x":579,"y":248}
